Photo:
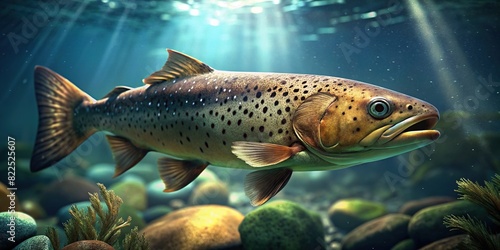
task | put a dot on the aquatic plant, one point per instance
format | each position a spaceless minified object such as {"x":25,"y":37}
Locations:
{"x":82,"y":225}
{"x":487,"y":196}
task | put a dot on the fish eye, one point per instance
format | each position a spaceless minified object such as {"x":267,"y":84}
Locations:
{"x":379,"y":108}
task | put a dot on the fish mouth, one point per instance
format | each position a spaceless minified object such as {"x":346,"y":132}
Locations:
{"x":413,"y":130}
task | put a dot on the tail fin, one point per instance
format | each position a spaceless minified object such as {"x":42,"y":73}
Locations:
{"x":57,"y":134}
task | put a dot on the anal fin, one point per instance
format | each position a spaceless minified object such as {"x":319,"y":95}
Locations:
{"x":177,"y":174}
{"x":260,"y":186}
{"x":260,"y":154}
{"x":125,"y":153}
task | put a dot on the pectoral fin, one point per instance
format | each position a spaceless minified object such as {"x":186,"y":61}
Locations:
{"x":259,"y":154}
{"x":260,"y":186}
{"x":176,"y":174}
{"x":125,"y":153}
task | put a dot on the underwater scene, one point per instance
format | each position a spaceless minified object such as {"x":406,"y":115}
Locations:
{"x":250,"y":124}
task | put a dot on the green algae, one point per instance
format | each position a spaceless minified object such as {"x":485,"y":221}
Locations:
{"x":487,"y":196}
{"x":82,"y":224}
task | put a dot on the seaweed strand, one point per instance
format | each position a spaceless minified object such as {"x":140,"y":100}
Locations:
{"x":82,"y":224}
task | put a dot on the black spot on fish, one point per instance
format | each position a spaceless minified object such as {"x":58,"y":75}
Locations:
{"x":283,"y":121}
{"x":261,"y":128}
{"x":264,"y":110}
{"x":273,"y":94}
{"x":259,"y":94}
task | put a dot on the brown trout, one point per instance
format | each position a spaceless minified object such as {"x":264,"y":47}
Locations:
{"x":273,"y":123}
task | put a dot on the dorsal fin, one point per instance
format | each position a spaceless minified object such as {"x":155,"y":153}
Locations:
{"x":116,"y":91}
{"x":178,"y":65}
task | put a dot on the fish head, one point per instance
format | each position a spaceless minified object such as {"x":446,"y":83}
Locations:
{"x":364,"y":123}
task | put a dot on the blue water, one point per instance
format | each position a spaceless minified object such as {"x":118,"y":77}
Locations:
{"x":446,"y":54}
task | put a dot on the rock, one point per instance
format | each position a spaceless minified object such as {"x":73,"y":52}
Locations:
{"x":68,"y":191}
{"x":21,"y":228}
{"x":43,"y":225}
{"x":347,"y":214}
{"x":102,"y":173}
{"x":147,"y":172}
{"x":6,"y":201}
{"x":133,"y":193}
{"x":381,"y":233}
{"x":34,"y":209}
{"x":88,"y":245}
{"x":154,"y":213}
{"x":206,"y":175}
{"x":449,"y":243}
{"x":157,"y":197}
{"x":210,"y":192}
{"x":411,"y":207}
{"x":407,"y":244}
{"x":136,"y":216}
{"x":39,"y":242}
{"x":426,"y":226}
{"x":197,"y":227}
{"x":281,"y":225}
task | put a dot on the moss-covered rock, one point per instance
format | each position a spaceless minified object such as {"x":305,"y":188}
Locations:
{"x":17,"y":226}
{"x":197,"y":227}
{"x":210,"y":192}
{"x":347,"y":214}
{"x":449,"y":243}
{"x":281,"y":225}
{"x":412,"y":207}
{"x":38,"y":242}
{"x":426,"y":226}
{"x":133,"y":193}
{"x":381,"y":233}
{"x":407,"y":244}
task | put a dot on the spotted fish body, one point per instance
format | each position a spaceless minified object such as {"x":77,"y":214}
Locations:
{"x":271,"y":122}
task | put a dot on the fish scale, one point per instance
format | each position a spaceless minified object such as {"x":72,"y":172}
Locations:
{"x":275,"y":123}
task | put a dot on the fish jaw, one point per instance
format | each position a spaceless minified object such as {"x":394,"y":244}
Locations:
{"x":413,"y":130}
